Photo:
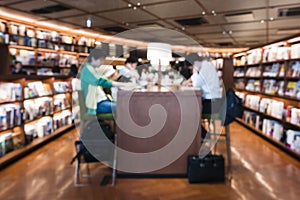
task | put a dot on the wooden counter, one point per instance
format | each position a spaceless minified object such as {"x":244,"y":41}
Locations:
{"x":160,"y":146}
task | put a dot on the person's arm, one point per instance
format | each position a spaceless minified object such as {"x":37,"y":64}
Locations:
{"x":187,"y":82}
{"x":87,"y":77}
{"x":122,"y":84}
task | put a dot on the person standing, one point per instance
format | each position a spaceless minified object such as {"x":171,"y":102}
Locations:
{"x":205,"y":77}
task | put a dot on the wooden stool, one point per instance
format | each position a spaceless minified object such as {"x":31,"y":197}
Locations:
{"x":216,"y":133}
{"x":85,"y":118}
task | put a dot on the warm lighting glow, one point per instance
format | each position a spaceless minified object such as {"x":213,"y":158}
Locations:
{"x":15,"y":16}
{"x":47,"y":24}
{"x":159,"y":53}
{"x":86,"y":33}
{"x":239,"y":54}
{"x":98,"y":43}
{"x":297,"y":39}
{"x":275,"y":45}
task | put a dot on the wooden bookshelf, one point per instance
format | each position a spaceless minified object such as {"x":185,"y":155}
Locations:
{"x":270,"y":139}
{"x":37,"y":142}
{"x":284,"y":68}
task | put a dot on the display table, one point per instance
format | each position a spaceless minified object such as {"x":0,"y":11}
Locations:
{"x":157,"y":130}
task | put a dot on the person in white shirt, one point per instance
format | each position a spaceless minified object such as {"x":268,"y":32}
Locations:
{"x":205,"y":77}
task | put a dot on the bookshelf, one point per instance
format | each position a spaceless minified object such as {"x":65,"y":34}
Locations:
{"x":33,"y":111}
{"x":39,"y":49}
{"x":268,"y":80}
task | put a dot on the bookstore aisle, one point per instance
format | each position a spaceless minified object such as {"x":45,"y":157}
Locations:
{"x":260,"y":171}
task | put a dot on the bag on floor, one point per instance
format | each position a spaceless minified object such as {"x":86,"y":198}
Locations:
{"x":234,"y":107}
{"x":211,"y":168}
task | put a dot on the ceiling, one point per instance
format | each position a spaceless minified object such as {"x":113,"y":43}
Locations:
{"x":212,"y":23}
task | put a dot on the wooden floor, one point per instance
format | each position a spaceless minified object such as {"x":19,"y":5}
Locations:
{"x":260,"y":171}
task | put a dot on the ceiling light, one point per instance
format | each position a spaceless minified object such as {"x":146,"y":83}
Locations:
{"x":271,"y":18}
{"x":89,"y":22}
{"x":98,"y":43}
{"x":213,"y":11}
{"x":129,"y":5}
{"x":262,"y":21}
{"x":230,"y":32}
{"x":134,"y":8}
{"x":224,"y":32}
{"x":138,"y":3}
{"x":183,"y":28}
{"x":203,"y":13}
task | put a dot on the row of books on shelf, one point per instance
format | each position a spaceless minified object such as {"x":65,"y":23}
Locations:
{"x":9,"y":142}
{"x":10,"y":116}
{"x":63,"y":119}
{"x":60,"y":86}
{"x":13,"y":91}
{"x":61,"y":102}
{"x":29,"y":57}
{"x":37,"y":89}
{"x":269,"y":55}
{"x":272,"y":128}
{"x":22,"y":30}
{"x":13,"y":140}
{"x":271,"y":87}
{"x":272,"y":70}
{"x":273,"y":108}
{"x":47,"y":125}
{"x":10,"y":92}
{"x":37,"y":108}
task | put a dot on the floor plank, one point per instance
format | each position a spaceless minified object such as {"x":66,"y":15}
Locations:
{"x":260,"y":171}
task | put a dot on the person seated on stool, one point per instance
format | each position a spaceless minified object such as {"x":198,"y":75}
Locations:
{"x":105,"y":104}
{"x":205,"y":77}
{"x":91,"y":79}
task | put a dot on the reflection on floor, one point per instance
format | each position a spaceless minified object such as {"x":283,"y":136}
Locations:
{"x":260,"y":171}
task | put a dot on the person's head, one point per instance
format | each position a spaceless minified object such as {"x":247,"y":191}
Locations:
{"x":195,"y":60}
{"x":74,"y":68}
{"x":18,"y":66}
{"x":131,"y":62}
{"x":96,"y":57}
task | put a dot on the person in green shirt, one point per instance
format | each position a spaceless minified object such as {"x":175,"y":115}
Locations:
{"x":91,"y":80}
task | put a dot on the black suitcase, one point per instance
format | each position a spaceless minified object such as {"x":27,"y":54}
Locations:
{"x":208,"y":169}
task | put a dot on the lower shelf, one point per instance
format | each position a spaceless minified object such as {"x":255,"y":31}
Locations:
{"x":36,"y":143}
{"x":270,"y":139}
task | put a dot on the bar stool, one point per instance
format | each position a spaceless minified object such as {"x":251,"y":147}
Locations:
{"x":85,"y":118}
{"x":216,"y":133}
